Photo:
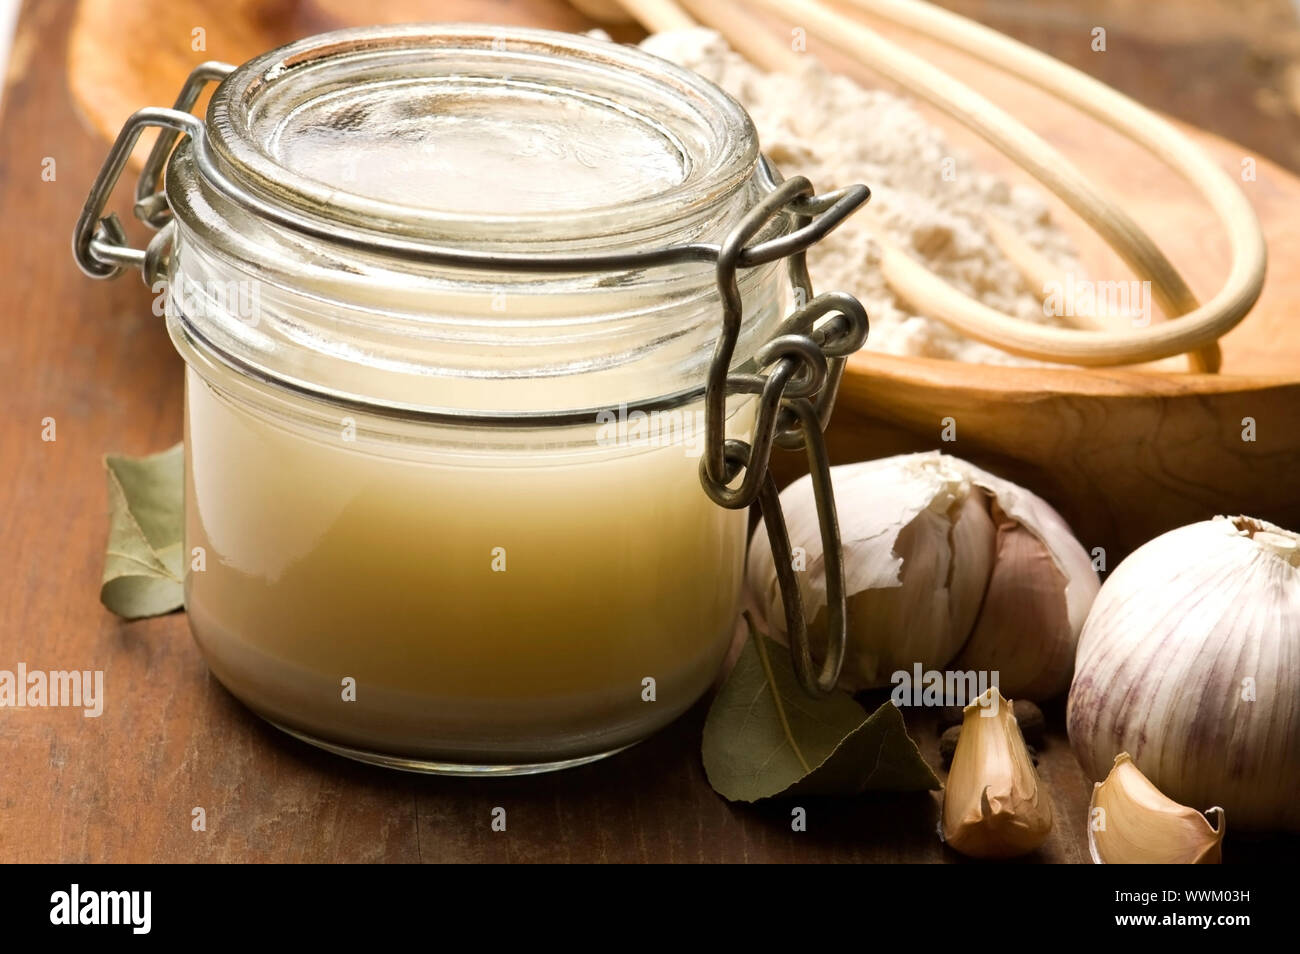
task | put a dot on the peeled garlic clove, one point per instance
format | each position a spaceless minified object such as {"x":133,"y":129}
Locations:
{"x":1130,"y":821}
{"x":1039,"y":593}
{"x":992,"y":804}
{"x":918,"y":547}
{"x":1190,"y":660}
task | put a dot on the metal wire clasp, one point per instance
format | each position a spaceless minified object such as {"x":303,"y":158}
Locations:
{"x":796,"y":396}
{"x":99,"y":241}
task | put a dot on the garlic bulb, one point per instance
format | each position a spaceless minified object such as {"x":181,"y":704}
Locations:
{"x":992,"y":804}
{"x":920,"y":550}
{"x":1130,"y":821}
{"x":918,"y":547}
{"x":1190,"y":661}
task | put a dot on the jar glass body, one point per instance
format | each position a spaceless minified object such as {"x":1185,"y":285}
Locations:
{"x":433,"y":534}
{"x":440,"y":595}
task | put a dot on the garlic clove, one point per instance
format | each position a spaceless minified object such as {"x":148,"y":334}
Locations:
{"x":974,"y":545}
{"x":1130,"y":821}
{"x":1023,"y":632}
{"x":918,"y":549}
{"x":993,"y":806}
{"x":1040,"y":590}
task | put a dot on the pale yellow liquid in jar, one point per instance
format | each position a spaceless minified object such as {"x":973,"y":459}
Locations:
{"x":327,"y":560}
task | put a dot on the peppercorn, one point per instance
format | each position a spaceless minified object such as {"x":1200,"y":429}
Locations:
{"x":1030,"y":719}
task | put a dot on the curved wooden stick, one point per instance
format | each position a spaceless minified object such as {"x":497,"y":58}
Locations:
{"x":759,"y":46}
{"x":1111,"y":108}
{"x":1197,"y":333}
{"x":656,"y":15}
{"x":958,"y":310}
{"x":1199,"y":328}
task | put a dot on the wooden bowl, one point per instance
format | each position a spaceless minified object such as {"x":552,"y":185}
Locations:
{"x":1124,"y":453}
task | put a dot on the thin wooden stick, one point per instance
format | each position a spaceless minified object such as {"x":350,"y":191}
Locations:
{"x":1123,"y":233}
{"x":760,"y":46}
{"x":1113,"y":109}
{"x":931,"y":295}
{"x":657,"y":15}
{"x":1196,"y":333}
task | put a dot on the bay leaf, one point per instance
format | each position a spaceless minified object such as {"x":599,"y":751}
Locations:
{"x":764,"y":736}
{"x":144,"y":562}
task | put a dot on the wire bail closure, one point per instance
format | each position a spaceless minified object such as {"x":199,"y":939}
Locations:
{"x":795,"y":401}
{"x":804,"y":360}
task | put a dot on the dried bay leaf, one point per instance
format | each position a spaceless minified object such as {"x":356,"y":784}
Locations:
{"x":144,"y":563}
{"x":765,"y":737}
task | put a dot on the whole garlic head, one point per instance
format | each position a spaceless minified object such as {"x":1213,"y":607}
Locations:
{"x":1190,"y":662}
{"x":921,"y":548}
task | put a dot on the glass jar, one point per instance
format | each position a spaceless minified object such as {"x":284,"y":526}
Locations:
{"x":449,"y":297}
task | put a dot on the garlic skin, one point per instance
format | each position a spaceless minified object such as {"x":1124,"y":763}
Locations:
{"x":1130,"y":821}
{"x":920,"y":550}
{"x":1035,"y":605}
{"x":993,"y":806}
{"x":1190,"y":661}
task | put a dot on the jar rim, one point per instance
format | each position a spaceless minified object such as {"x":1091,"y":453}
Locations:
{"x":294,"y":107}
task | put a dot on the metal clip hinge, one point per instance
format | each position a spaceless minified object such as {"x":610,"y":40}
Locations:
{"x":99,"y":242}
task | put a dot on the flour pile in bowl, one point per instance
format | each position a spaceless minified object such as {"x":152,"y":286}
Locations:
{"x":930,"y":197}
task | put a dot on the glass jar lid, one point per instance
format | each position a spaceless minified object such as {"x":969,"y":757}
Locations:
{"x":474,"y":135}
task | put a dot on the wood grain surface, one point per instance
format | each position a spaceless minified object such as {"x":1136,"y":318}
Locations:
{"x":123,"y":787}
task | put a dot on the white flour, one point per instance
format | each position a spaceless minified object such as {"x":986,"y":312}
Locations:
{"x":930,"y":197}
